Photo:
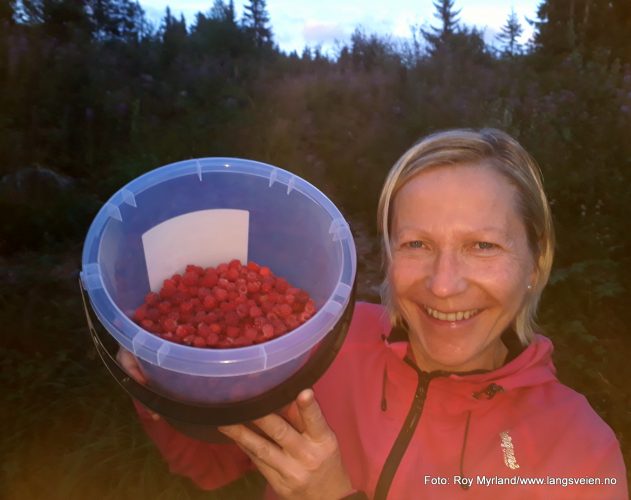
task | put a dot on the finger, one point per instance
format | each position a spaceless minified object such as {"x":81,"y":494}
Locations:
{"x":257,"y":446}
{"x":315,"y":424}
{"x":129,"y":363}
{"x":292,"y":415}
{"x":281,"y":432}
{"x":272,"y":475}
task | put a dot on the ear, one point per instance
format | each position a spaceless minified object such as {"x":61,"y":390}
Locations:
{"x":533,"y":277}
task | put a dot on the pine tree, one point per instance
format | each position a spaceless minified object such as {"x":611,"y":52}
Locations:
{"x":117,"y":19}
{"x":221,"y":11}
{"x":449,"y":21}
{"x":174,"y":36}
{"x":583,"y":26}
{"x":256,"y":22}
{"x":510,"y":34}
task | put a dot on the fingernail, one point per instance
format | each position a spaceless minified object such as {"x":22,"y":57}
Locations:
{"x":306,"y":395}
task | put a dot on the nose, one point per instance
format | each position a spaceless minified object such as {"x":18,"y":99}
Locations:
{"x":447,"y":277}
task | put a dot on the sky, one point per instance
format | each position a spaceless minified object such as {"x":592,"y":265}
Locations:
{"x":313,"y":23}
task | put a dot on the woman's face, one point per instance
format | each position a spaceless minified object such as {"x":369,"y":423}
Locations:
{"x":461,"y":265}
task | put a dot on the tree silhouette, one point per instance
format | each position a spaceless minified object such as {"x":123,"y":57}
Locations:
{"x":584,"y":26}
{"x":448,"y":17}
{"x":223,"y":11}
{"x":510,"y":33}
{"x":256,"y":22}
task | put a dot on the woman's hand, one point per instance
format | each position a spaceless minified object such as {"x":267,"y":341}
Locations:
{"x":301,"y":459}
{"x":129,"y":363}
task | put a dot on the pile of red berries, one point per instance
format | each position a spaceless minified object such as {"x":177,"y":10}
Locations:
{"x":231,"y":305}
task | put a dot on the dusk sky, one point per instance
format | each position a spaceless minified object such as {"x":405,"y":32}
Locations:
{"x":300,"y":23}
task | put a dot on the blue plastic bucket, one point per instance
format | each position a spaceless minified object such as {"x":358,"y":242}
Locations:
{"x":291,"y":227}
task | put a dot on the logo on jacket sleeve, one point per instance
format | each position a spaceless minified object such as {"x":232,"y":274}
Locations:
{"x":506,"y":442}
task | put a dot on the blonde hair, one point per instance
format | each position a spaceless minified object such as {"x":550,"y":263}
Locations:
{"x":502,"y":153}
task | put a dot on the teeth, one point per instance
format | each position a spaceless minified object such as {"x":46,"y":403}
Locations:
{"x":452,"y":316}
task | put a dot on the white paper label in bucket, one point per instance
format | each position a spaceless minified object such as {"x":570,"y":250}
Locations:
{"x":204,"y":238}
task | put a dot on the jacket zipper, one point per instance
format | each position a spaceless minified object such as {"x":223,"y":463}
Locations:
{"x":403,"y":439}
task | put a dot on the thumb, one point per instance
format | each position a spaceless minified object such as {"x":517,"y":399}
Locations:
{"x":314,"y":422}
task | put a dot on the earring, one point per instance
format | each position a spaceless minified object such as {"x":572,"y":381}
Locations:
{"x":529,"y":287}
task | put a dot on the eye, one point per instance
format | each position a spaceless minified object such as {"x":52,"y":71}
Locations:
{"x":485,"y":245}
{"x":413,"y":244}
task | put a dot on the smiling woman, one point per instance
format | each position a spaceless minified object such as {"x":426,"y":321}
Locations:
{"x":461,"y":283}
{"x":468,"y":400}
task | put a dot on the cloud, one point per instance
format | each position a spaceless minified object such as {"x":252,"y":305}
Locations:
{"x":317,"y":33}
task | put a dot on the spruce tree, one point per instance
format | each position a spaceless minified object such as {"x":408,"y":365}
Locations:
{"x":256,"y":22}
{"x":448,"y":17}
{"x":223,"y":11}
{"x":510,"y":34}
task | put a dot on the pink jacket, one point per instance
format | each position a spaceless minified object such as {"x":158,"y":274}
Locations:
{"x":515,"y":432}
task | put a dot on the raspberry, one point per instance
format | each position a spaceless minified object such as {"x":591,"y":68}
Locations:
{"x":194,"y":269}
{"x":231,"y":305}
{"x":242,"y":310}
{"x":310,"y":307}
{"x":253,"y":286}
{"x":203,"y":330}
{"x":232,"y":331}
{"x":210,"y":279}
{"x":164,"y":307}
{"x":284,"y":310}
{"x":153,"y":314}
{"x":210,"y":302}
{"x":250,"y":333}
{"x":151,"y":298}
{"x":190,"y":278}
{"x":268,"y":331}
{"x":292,"y":321}
{"x":169,"y":324}
{"x":186,"y":307}
{"x":140,"y":314}
{"x":281,"y":285}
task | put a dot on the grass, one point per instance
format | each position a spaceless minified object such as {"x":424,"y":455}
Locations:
{"x":76,"y":436}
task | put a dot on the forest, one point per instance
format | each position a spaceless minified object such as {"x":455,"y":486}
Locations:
{"x":92,"y":95}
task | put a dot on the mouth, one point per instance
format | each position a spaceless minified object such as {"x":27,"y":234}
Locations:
{"x":451,"y":316}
